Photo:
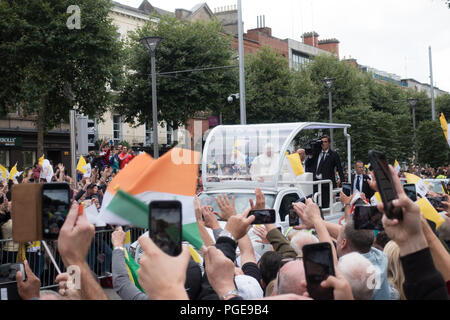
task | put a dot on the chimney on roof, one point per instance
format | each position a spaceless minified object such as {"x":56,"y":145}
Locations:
{"x":311,"y":38}
{"x":261,"y":26}
{"x":331,"y":45}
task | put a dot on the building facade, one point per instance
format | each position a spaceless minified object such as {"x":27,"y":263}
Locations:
{"x":18,"y":142}
{"x":419,"y":86}
{"x":111,"y":126}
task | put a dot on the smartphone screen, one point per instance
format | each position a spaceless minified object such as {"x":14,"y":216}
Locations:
{"x":436,"y":202}
{"x":165,"y":225}
{"x":263,"y":216}
{"x":318,"y":263}
{"x":347,"y":189}
{"x":367,"y":217}
{"x":294,"y":219}
{"x":410,"y":190}
{"x":385,"y":183}
{"x":55,"y":207}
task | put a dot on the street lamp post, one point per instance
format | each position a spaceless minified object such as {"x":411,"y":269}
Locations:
{"x":243,"y":111}
{"x":151,"y":43}
{"x":412,"y":102}
{"x":328,"y":82}
{"x":230,"y":100}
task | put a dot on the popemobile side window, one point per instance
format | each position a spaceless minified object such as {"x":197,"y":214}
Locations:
{"x":286,"y":204}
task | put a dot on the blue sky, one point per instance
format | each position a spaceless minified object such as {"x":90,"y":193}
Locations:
{"x":392,"y":36}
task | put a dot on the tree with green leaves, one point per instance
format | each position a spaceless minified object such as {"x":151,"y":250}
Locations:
{"x":274,"y":93}
{"x":432,"y":146}
{"x":193,"y":46}
{"x":48,"y":65}
{"x":348,"y":89}
{"x":423,"y":105}
{"x":371,"y":129}
{"x":443,"y":105}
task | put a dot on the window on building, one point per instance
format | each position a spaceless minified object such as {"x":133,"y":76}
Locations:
{"x":4,"y":158}
{"x":299,"y":60}
{"x":28,"y":158}
{"x":117,"y":129}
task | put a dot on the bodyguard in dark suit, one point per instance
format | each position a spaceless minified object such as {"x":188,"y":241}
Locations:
{"x":323,"y":165}
{"x":360,"y":181}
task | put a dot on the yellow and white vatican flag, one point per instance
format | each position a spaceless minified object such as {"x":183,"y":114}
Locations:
{"x":238,"y":153}
{"x":429,"y":212}
{"x":13,"y":173}
{"x":3,"y":173}
{"x":81,"y":166}
{"x":376,"y":198}
{"x":41,"y":160}
{"x":421,"y":186}
{"x":295,"y":164}
{"x":396,"y":167}
{"x":445,"y":128}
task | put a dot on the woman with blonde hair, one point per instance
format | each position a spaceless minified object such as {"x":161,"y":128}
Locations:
{"x":395,"y":273}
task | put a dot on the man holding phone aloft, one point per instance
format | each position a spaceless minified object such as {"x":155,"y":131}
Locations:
{"x":422,"y":280}
{"x":323,"y":166}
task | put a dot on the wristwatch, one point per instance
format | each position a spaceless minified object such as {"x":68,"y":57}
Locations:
{"x":226,"y":233}
{"x":120,"y":248}
{"x":233,"y":292}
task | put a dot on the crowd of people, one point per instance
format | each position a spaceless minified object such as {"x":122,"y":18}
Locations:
{"x":408,"y":260}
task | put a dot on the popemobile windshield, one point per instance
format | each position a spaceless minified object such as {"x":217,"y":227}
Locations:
{"x":249,"y":156}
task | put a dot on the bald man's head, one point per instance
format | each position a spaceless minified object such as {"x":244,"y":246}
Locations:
{"x":291,"y":278}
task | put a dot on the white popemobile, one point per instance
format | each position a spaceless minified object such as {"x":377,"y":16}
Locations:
{"x":239,"y":158}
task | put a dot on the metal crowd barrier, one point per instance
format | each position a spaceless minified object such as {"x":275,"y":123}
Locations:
{"x":99,"y":256}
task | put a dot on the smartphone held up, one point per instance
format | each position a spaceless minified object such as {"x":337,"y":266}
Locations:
{"x":55,"y":207}
{"x":385,"y":183}
{"x":165,"y":225}
{"x":43,"y":214}
{"x":367,"y":217}
{"x":347,"y":189}
{"x":318,"y":263}
{"x":264,"y":216}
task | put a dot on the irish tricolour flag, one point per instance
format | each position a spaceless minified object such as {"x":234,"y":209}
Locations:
{"x":145,"y":179}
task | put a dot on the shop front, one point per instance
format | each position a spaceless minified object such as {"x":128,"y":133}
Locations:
{"x":20,"y":146}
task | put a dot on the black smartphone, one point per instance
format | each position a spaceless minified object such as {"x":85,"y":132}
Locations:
{"x":436,"y":202}
{"x":410,"y":190}
{"x":8,"y":271}
{"x":347,"y":189}
{"x":8,"y":283}
{"x":55,"y":207}
{"x":265,"y":216}
{"x":385,"y":184}
{"x":367,"y":217}
{"x":294,"y":219}
{"x":165,"y":225}
{"x":318,"y":263}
